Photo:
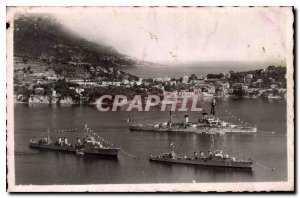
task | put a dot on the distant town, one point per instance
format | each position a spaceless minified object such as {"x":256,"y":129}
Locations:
{"x":83,"y":83}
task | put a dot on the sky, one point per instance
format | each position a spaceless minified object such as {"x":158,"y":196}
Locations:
{"x":182,"y":35}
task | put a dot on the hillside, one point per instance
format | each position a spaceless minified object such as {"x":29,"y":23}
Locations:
{"x":43,"y":38}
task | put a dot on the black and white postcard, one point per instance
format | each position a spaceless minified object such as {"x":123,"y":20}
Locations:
{"x":150,"y":99}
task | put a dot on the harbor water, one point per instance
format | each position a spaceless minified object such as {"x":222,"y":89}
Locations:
{"x":48,"y":167}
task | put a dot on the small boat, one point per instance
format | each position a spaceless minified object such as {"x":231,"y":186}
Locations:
{"x":271,"y":96}
{"x":78,"y":152}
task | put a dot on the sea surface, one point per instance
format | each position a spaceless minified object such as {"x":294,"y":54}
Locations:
{"x":180,"y":71}
{"x":48,"y":167}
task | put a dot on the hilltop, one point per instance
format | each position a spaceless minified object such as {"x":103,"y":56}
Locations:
{"x":43,"y":38}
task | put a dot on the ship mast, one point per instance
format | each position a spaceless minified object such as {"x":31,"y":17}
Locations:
{"x":172,"y":148}
{"x":87,"y":129}
{"x":48,"y":135}
{"x":213,"y":104}
{"x":212,"y":145}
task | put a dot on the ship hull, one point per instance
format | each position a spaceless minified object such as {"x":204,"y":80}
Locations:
{"x":109,"y":152}
{"x":202,"y":130}
{"x":213,"y":163}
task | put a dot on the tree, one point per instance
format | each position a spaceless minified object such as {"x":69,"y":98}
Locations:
{"x":24,"y":70}
{"x":193,"y":77}
{"x":238,"y":92}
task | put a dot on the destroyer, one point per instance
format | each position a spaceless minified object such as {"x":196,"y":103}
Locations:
{"x":207,"y":124}
{"x":88,"y":146}
{"x":214,"y":158}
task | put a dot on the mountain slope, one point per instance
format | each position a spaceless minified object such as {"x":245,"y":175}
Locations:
{"x":44,"y":38}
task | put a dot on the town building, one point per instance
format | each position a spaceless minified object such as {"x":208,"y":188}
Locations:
{"x":185,"y":79}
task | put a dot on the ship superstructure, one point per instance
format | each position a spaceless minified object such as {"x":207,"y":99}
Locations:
{"x":210,"y":158}
{"x":87,"y":145}
{"x":207,"y":124}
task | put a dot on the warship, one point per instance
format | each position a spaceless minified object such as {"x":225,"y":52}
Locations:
{"x":87,"y":146}
{"x":213,"y":158}
{"x":207,"y":124}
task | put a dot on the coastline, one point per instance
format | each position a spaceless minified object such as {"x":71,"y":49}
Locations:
{"x":94,"y":103}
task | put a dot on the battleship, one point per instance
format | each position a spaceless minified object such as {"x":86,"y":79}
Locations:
{"x":207,"y":124}
{"x":213,"y":158}
{"x":87,"y":146}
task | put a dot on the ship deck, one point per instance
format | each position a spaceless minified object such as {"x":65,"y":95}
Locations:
{"x":201,"y":162}
{"x":113,"y":152}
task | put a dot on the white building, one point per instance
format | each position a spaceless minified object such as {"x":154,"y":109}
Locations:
{"x":167,"y":79}
{"x":125,"y":82}
{"x":245,"y":87}
{"x":189,"y":93}
{"x":273,"y":86}
{"x":158,"y":79}
{"x":79,"y":90}
{"x":185,"y":79}
{"x":225,"y":85}
{"x":211,"y":89}
{"x":54,"y":93}
{"x":173,"y":82}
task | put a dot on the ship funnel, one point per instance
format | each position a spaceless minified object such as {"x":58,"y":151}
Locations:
{"x":186,"y":118}
{"x":65,"y":140}
{"x":78,"y":141}
{"x":195,"y":154}
{"x":59,"y":140}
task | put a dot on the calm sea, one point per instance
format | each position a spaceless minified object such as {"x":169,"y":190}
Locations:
{"x":179,"y":71}
{"x":48,"y":167}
